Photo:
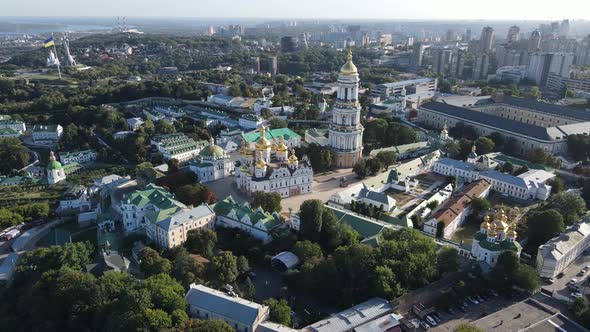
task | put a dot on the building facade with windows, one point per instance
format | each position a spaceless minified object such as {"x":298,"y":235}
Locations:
{"x":559,"y":252}
{"x":516,"y":187}
{"x":530,"y":124}
{"x":47,"y":134}
{"x":177,"y":146}
{"x":79,"y":157}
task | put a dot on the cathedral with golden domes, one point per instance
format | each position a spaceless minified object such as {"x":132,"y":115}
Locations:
{"x":494,"y":238}
{"x":271,"y":167}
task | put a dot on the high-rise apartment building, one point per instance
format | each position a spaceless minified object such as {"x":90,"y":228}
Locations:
{"x":481,"y":67}
{"x":486,"y":40}
{"x":534,"y":43}
{"x":543,"y":63}
{"x":513,"y":34}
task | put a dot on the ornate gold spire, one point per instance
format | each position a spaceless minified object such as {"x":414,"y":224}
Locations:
{"x":281,"y":147}
{"x":245,"y":149}
{"x":260,"y":164}
{"x":349,"y":68}
{"x":486,"y":223}
{"x":293,"y":157}
{"x":262,"y":143}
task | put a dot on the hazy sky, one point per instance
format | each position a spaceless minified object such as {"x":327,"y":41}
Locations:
{"x":346,"y":9}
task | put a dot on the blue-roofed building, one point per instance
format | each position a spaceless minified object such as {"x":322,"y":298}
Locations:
{"x":523,"y":187}
{"x":241,"y":314}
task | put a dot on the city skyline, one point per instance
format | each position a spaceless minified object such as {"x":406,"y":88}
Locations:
{"x":305,"y":9}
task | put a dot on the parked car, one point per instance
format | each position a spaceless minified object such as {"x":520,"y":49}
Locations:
{"x":576,"y":294}
{"x":493,"y":292}
{"x":560,"y":275}
{"x":581,"y":273}
{"x":431,"y":320}
{"x":472,"y":300}
{"x":572,"y":282}
{"x":436,"y":318}
{"x":424,"y":325}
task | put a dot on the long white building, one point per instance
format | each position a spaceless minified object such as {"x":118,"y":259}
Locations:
{"x":521,"y":187}
{"x":176,"y":146}
{"x":559,"y":252}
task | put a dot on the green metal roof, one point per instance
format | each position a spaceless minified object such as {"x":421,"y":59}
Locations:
{"x":154,"y":195}
{"x":212,"y":151}
{"x":54,"y":165}
{"x":224,"y":207}
{"x":364,"y":227}
{"x":287,"y":133}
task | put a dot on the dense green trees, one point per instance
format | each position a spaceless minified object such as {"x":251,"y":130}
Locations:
{"x":223,"y":268}
{"x":280,"y":312}
{"x":388,"y":132}
{"x":484,"y":145}
{"x":570,"y":205}
{"x":360,"y":169}
{"x":509,"y":271}
{"x":186,"y":269}
{"x":152,"y":263}
{"x":307,"y":251}
{"x":356,"y":272}
{"x":447,"y":260}
{"x":387,"y":158}
{"x":542,"y":156}
{"x":207,"y":326}
{"x":13,"y":155}
{"x":23,"y":213}
{"x":544,"y":225}
{"x":270,"y":202}
{"x":60,"y":296}
{"x":579,"y":146}
{"x":195,"y":194}
{"x":319,"y":224}
{"x":201,"y":241}
{"x":320,"y":157}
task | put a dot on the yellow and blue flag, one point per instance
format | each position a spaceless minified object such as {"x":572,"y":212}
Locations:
{"x":49,"y":42}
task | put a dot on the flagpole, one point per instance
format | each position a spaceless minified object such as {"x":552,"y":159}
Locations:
{"x":58,"y":63}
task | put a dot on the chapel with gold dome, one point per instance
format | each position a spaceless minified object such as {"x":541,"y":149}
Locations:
{"x":495,"y":236}
{"x":269,"y":165}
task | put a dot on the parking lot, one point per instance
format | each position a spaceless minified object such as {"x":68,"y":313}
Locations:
{"x":472,"y":311}
{"x":559,"y":285}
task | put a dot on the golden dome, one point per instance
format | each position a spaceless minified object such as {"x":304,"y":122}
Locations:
{"x":349,"y":68}
{"x":281,"y":147}
{"x":260,"y":163}
{"x":262,"y":143}
{"x":245,"y":149}
{"x":511,"y":233}
{"x":492,"y":233}
{"x":293,"y":157}
{"x":485,"y":224}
